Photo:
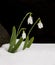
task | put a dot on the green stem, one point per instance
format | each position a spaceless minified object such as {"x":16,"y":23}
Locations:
{"x":23,"y":20}
{"x":33,"y":26}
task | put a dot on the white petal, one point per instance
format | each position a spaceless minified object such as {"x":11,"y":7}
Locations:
{"x":30,"y":20}
{"x":23,"y":35}
{"x":40,"y":25}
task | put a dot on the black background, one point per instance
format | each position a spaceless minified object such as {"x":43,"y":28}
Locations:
{"x":12,"y":12}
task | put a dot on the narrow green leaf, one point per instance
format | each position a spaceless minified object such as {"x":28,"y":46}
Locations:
{"x":26,"y":42}
{"x":30,"y":42}
{"x":13,"y":38}
{"x":17,"y":45}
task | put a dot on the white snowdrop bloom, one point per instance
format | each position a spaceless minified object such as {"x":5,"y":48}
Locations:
{"x":30,"y":20}
{"x":23,"y":35}
{"x":40,"y":25}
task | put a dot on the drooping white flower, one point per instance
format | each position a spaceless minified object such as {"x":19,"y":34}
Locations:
{"x":23,"y":35}
{"x":30,"y":20}
{"x":40,"y":25}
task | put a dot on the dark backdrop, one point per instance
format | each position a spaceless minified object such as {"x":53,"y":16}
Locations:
{"x":12,"y":12}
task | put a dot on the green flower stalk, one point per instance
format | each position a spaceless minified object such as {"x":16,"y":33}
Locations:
{"x":33,"y":26}
{"x":27,"y":41}
{"x":29,"y":13}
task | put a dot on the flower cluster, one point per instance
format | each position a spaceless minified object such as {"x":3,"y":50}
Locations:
{"x":30,"y":21}
{"x":28,"y":41}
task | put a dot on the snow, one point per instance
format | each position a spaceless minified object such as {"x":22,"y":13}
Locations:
{"x":37,"y":54}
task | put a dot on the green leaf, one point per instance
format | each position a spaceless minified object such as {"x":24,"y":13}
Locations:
{"x":30,"y":42}
{"x":26,"y":42}
{"x":13,"y":38}
{"x":17,"y":45}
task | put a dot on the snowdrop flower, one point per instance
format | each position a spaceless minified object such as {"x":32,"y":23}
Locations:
{"x":40,"y":25}
{"x":23,"y":35}
{"x":30,"y":20}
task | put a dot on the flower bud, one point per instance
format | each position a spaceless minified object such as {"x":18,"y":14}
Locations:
{"x":30,"y":20}
{"x":23,"y":35}
{"x":40,"y":25}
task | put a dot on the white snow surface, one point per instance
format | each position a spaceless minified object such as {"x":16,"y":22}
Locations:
{"x":37,"y":54}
